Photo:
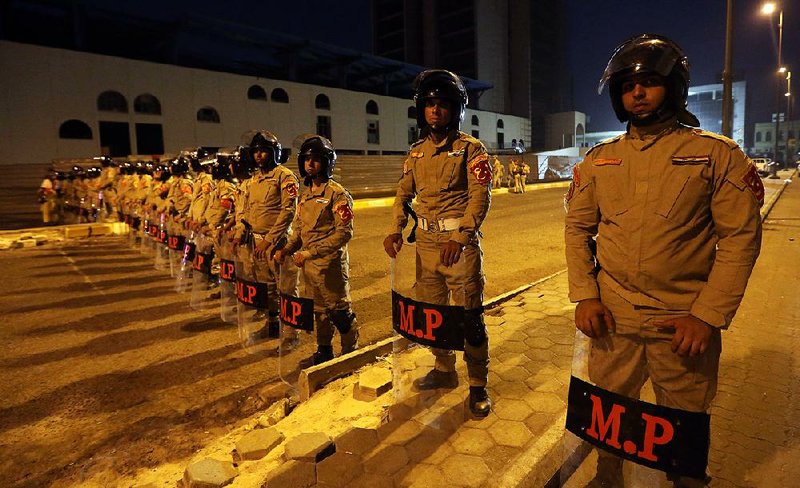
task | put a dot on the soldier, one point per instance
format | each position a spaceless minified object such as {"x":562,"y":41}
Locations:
{"x":675,"y":212}
{"x":47,"y":198}
{"x":319,"y":246}
{"x":269,"y":207}
{"x":524,"y":171}
{"x":512,"y":174}
{"x":450,"y":175}
{"x":497,"y":171}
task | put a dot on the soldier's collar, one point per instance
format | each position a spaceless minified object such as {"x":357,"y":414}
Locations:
{"x":445,"y":144}
{"x":654,"y":130}
{"x":319,"y":191}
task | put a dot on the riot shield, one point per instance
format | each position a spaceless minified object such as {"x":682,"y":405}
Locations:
{"x":227,"y":281}
{"x":257,"y":307}
{"x":162,"y":261}
{"x":429,"y":378}
{"x":176,"y":244}
{"x":134,"y":230}
{"x":205,"y":281}
{"x":184,"y":277}
{"x":617,"y":435}
{"x":298,"y":317}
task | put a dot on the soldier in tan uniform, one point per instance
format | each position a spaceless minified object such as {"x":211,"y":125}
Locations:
{"x":268,"y":207}
{"x":524,"y":171}
{"x":512,"y":174}
{"x":675,"y":213}
{"x":497,"y":173}
{"x":318,"y":245}
{"x":450,"y":175}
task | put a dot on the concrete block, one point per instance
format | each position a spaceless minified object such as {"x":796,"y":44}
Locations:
{"x":275,"y":413}
{"x":209,"y":473}
{"x":339,"y":469}
{"x":76,"y":231}
{"x":27,"y":242}
{"x":373,"y":383}
{"x":312,"y":447}
{"x":313,"y":378}
{"x":357,"y":441}
{"x":295,"y":474}
{"x":99,"y":229}
{"x":258,"y":443}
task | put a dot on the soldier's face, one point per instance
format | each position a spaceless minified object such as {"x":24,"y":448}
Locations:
{"x":437,"y":113}
{"x":260,"y":156}
{"x":313,"y":166}
{"x":643,"y":94}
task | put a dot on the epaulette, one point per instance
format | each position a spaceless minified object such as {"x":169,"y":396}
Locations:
{"x":340,"y":188}
{"x":416,"y":143}
{"x":603,"y":143}
{"x":468,"y":138}
{"x":713,"y":135}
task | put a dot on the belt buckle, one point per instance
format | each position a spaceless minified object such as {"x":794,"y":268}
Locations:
{"x":433,"y":225}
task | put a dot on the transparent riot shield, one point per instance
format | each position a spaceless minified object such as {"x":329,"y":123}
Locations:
{"x":205,"y":275}
{"x":227,"y":281}
{"x":296,"y":287}
{"x":184,"y":277}
{"x":162,"y":261}
{"x":176,"y":244}
{"x":134,"y":230}
{"x":429,"y":378}
{"x":616,"y":439}
{"x":257,"y":307}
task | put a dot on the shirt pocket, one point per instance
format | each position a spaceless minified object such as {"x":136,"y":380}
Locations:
{"x":453,"y":171}
{"x":686,"y":193}
{"x":611,"y":197}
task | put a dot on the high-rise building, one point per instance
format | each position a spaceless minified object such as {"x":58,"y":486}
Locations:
{"x":705,"y":101}
{"x":516,"y":45}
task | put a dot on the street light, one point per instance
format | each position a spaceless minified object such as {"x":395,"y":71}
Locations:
{"x":769,"y":8}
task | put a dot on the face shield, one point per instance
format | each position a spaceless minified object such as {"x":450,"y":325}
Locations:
{"x":651,"y":55}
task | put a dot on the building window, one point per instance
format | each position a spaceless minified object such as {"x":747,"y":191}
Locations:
{"x":322,"y":102}
{"x":74,"y":129}
{"x":501,"y":140}
{"x":373,"y":132}
{"x":112,"y":101}
{"x":475,"y":120}
{"x":256,"y":92}
{"x":412,"y":112}
{"x":500,"y":124}
{"x":279,"y":95}
{"x":476,"y":134}
{"x":768,"y":136}
{"x":413,"y":134}
{"x":324,"y":126}
{"x":208,"y":114}
{"x":372,"y":107}
{"x":758,"y":136}
{"x":147,"y":104}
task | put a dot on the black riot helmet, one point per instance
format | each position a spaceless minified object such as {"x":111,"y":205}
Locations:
{"x":650,"y":53}
{"x":179,"y":166}
{"x":163,"y":171}
{"x":265,"y":141}
{"x":126,"y":168}
{"x":77,"y":172}
{"x":105,"y":161}
{"x":237,"y":164}
{"x":93,"y":172}
{"x":440,"y":83}
{"x":316,"y":146}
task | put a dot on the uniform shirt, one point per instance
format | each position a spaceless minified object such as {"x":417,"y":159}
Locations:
{"x":203,"y":187}
{"x":676,"y":214}
{"x":270,"y":202}
{"x":324,"y":223}
{"x":220,"y":203}
{"x":451,"y":179}
{"x":497,"y":168}
{"x":180,"y":194}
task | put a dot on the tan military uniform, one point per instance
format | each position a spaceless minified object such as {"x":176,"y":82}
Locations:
{"x":107,"y":185}
{"x":323,"y":227}
{"x":524,"y":171}
{"x":676,"y":215}
{"x":512,"y":174}
{"x":202,"y":189}
{"x":497,"y":172}
{"x":452,"y":185}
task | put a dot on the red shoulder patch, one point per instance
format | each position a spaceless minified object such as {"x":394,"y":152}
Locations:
{"x":344,"y":212}
{"x":291,"y":189}
{"x":754,"y":183}
{"x":480,"y":169}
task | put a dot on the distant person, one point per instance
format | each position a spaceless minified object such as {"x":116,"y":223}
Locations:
{"x":675,"y":214}
{"x":497,"y":173}
{"x":521,"y":146}
{"x":47,"y":198}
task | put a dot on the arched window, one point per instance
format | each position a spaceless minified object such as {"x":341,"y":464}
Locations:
{"x":112,"y":101}
{"x":147,"y":104}
{"x":256,"y":92}
{"x":279,"y":95}
{"x":74,"y":129}
{"x":500,"y":123}
{"x":412,"y":113}
{"x":372,"y":107}
{"x":208,"y":114}
{"x":758,"y":136}
{"x":475,"y":120}
{"x":322,"y":102}
{"x":768,"y":136}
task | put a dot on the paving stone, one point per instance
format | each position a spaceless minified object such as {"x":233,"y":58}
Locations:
{"x":371,"y":480}
{"x":312,"y":447}
{"x":510,"y":433}
{"x":386,"y":461}
{"x":464,"y":470}
{"x":297,"y":474}
{"x":258,"y":443}
{"x":339,"y":469}
{"x":431,"y":446}
{"x":420,"y":476}
{"x":209,"y":473}
{"x":492,"y":320}
{"x":373,"y":383}
{"x":538,"y":342}
{"x":275,"y":413}
{"x":399,"y":432}
{"x":357,"y":440}
{"x":509,"y":409}
{"x":514,"y":373}
{"x":545,"y":402}
{"x":473,"y":441}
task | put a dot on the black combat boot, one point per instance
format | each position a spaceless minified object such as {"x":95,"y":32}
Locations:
{"x":479,"y":402}
{"x":323,"y":354}
{"x":437,"y":379}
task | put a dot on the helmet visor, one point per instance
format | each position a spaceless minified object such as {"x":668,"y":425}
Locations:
{"x":650,"y":55}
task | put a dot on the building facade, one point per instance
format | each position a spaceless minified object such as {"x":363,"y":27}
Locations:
{"x":705,"y":101}
{"x":764,"y":137}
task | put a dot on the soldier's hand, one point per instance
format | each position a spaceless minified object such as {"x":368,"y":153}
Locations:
{"x":692,"y":335}
{"x":299,"y":258}
{"x":593,"y":318}
{"x":392,"y":244}
{"x":260,"y":251}
{"x":450,"y":253}
{"x":279,"y":256}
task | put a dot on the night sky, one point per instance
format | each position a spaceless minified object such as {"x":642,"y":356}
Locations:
{"x":595,"y":28}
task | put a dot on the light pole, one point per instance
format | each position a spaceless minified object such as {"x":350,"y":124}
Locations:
{"x":769,"y":8}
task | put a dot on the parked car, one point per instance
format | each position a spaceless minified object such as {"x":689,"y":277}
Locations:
{"x":762,"y":165}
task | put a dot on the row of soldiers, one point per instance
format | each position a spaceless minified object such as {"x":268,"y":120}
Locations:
{"x":82,"y":194}
{"x":517,"y":175}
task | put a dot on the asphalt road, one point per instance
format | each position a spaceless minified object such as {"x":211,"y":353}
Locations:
{"x":107,"y":370}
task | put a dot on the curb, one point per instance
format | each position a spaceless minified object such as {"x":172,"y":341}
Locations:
{"x":775,"y":196}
